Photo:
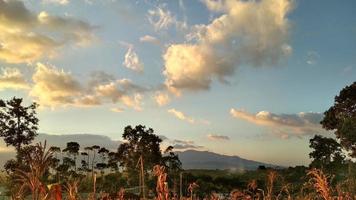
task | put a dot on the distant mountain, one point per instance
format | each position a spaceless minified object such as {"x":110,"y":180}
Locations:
{"x":192,"y":159}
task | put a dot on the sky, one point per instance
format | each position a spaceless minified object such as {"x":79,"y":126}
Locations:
{"x":247,"y":78}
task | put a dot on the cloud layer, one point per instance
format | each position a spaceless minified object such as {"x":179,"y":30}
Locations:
{"x":284,"y":125}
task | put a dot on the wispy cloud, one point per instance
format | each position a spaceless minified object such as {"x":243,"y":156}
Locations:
{"x":180,"y":115}
{"x":162,"y":98}
{"x":149,"y":39}
{"x":184,"y":145}
{"x":217,"y":137}
{"x":58,"y":2}
{"x":12,"y":78}
{"x":132,"y":61}
{"x":312,"y":57}
{"x":160,"y":18}
{"x":284,"y":125}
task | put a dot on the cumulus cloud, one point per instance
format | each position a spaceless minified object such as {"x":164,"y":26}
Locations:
{"x":238,"y":36}
{"x":162,"y":98}
{"x":54,"y":87}
{"x":284,"y":125}
{"x":26,"y":36}
{"x":149,"y":39}
{"x":180,"y":115}
{"x":217,"y":137}
{"x":12,"y":78}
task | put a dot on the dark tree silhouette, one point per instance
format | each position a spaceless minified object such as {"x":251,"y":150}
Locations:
{"x":140,"y":142}
{"x":341,"y":117}
{"x":18,"y":123}
{"x":103,"y":152}
{"x":72,"y":150}
{"x":326,"y":152}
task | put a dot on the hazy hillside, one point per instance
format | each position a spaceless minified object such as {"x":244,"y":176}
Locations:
{"x":192,"y":159}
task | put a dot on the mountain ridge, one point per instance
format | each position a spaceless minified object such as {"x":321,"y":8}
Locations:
{"x":194,"y":159}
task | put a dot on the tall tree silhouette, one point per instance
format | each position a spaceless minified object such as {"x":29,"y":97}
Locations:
{"x":341,"y":117}
{"x":140,"y":142}
{"x":72,"y":150}
{"x":18,"y":123}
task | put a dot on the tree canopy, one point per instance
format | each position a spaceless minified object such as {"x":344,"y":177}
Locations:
{"x":341,"y":117}
{"x":18,"y":123}
{"x":140,"y":142}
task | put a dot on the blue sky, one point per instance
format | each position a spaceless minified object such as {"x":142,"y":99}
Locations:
{"x":247,"y":78}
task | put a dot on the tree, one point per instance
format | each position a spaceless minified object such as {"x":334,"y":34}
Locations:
{"x":103,"y":152}
{"x":341,"y":117}
{"x":72,"y":150}
{"x":18,"y":123}
{"x":327,"y":152}
{"x":140,"y":142}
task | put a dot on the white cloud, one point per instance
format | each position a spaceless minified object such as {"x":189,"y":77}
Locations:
{"x":217,"y":137}
{"x":312,"y":57}
{"x":59,"y":2}
{"x":132,"y":60}
{"x":184,"y":145}
{"x":284,"y":125}
{"x":160,"y":18}
{"x":162,"y":98}
{"x":12,"y":78}
{"x":237,"y":36}
{"x":149,"y":39}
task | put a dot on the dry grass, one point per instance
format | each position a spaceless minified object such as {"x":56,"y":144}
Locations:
{"x":162,"y":185}
{"x":320,"y":182}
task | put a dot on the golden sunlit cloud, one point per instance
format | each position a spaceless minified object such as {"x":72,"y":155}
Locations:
{"x":26,"y":36}
{"x":117,"y":110}
{"x":216,"y":49}
{"x":284,"y":125}
{"x":162,"y":98}
{"x":12,"y":78}
{"x":180,"y":115}
{"x":53,"y":86}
